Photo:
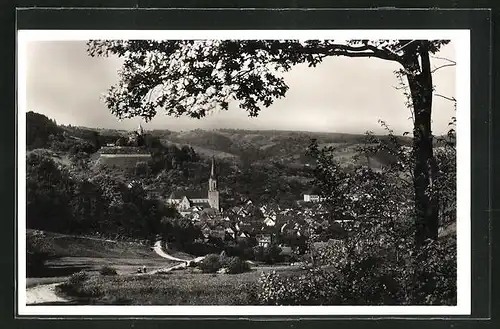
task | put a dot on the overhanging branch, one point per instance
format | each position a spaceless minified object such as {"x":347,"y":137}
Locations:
{"x":325,"y":50}
{"x":362,"y":51}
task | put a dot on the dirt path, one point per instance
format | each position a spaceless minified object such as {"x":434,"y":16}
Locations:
{"x":159,"y":250}
{"x":44,"y":293}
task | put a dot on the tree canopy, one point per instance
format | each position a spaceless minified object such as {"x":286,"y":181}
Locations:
{"x":192,"y":77}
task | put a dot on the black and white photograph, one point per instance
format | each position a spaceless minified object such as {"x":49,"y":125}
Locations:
{"x":244,"y":172}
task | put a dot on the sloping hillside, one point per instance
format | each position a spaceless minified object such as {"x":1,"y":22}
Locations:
{"x":287,"y":147}
{"x":203,"y":151}
{"x":63,"y":245}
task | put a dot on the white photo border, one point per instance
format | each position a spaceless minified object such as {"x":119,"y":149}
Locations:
{"x":461,"y":42}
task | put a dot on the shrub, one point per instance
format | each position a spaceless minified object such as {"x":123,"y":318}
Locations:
{"x":78,"y":278}
{"x":37,"y":253}
{"x":272,"y":254}
{"x":371,"y":280}
{"x":210,"y":264}
{"x":315,"y":287}
{"x":77,"y":286}
{"x":108,"y":270}
{"x":268,"y":255}
{"x":436,"y":275}
{"x":371,"y":276}
{"x":236,"y":265}
{"x":88,"y":291}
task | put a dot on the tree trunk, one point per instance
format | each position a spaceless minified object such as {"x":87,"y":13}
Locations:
{"x":420,"y":82}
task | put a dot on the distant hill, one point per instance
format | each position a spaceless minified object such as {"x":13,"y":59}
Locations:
{"x":235,"y":146}
{"x":261,"y":146}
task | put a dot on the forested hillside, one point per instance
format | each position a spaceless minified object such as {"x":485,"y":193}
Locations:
{"x":250,"y":147}
{"x":70,"y":190}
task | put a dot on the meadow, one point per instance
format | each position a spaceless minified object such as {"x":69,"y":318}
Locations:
{"x":186,"y":287}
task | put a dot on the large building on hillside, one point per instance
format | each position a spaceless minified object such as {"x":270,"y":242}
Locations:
{"x":185,"y":200}
{"x":125,"y":156}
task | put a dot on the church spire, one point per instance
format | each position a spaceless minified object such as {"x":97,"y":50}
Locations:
{"x":212,"y":172}
{"x":213,"y":193}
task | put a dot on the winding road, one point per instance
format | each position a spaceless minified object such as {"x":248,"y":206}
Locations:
{"x":45,"y":293}
{"x":159,"y":250}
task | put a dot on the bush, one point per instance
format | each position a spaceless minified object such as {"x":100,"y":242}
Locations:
{"x":210,"y":264}
{"x":268,"y":255}
{"x":108,"y":270}
{"x":436,"y":277}
{"x":37,"y":253}
{"x":372,"y":280}
{"x":371,"y":276}
{"x":272,"y":254}
{"x":77,"y":286}
{"x":78,"y":278}
{"x":235,"y":265}
{"x":315,"y":287}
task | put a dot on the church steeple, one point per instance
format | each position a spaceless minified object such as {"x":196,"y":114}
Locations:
{"x":212,"y":181}
{"x":213,"y":193}
{"x":212,"y":171}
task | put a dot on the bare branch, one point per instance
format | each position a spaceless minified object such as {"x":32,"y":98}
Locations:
{"x":442,"y":66}
{"x":453,"y":99}
{"x":400,"y":48}
{"x":444,"y":59}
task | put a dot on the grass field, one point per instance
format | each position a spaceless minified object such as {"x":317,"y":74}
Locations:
{"x":185,"y":287}
{"x":63,"y":245}
{"x":71,"y":254}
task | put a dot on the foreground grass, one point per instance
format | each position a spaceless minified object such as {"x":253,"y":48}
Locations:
{"x":174,"y":288}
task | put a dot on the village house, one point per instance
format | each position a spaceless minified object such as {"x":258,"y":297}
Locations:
{"x":264,"y":239}
{"x":311,"y":198}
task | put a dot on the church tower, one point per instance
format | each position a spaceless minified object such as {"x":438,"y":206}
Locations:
{"x":213,"y":193}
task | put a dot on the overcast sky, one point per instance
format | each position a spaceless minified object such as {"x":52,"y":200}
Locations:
{"x":340,"y":95}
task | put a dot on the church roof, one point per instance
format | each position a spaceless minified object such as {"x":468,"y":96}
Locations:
{"x":201,"y":204}
{"x":189,"y":194}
